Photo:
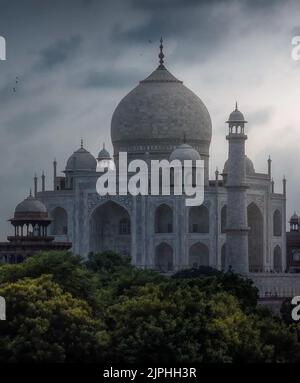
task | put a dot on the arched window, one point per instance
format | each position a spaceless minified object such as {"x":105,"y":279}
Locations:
{"x":124,"y":226}
{"x":255,"y":238}
{"x":199,"y":219}
{"x":60,"y":221}
{"x":277,"y":224}
{"x":110,"y":229}
{"x":198,"y":255}
{"x":277,"y":259}
{"x":164,"y":257}
{"x":223,"y":219}
{"x":164,"y":219}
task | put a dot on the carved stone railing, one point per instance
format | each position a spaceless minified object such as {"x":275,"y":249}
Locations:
{"x":279,"y":285}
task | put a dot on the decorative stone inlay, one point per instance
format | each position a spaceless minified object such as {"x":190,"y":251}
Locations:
{"x":94,"y":199}
{"x":259,"y":200}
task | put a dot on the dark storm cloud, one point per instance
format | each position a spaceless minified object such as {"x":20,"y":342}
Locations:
{"x":180,"y":22}
{"x":200,"y":25}
{"x":154,"y":5}
{"x":59,"y":52}
{"x":28,"y":123}
{"x":76,"y":57}
{"x":111,"y":79}
{"x":170,"y":5}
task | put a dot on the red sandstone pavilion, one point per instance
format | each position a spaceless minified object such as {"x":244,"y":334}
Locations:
{"x":30,"y":222}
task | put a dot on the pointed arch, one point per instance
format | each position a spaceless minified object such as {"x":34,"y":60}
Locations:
{"x":110,"y":229}
{"x":199,"y":219}
{"x":164,"y":257}
{"x":164,"y":219}
{"x":198,"y":255}
{"x":277,"y":223}
{"x":223,"y":218}
{"x":255,"y":238}
{"x":60,"y":221}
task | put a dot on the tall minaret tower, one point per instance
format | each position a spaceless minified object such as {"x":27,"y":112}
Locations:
{"x":236,"y":227}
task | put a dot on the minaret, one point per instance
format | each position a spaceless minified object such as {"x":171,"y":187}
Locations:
{"x":284,"y":186}
{"x":35,"y":185}
{"x":54,"y":173}
{"x":269,"y":167}
{"x":43,"y":181}
{"x":236,"y":227}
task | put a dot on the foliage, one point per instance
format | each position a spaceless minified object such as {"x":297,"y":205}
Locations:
{"x":68,"y":271}
{"x":242,"y":288}
{"x":64,"y":309}
{"x":174,"y":324}
{"x":286,"y":311}
{"x":45,"y":324}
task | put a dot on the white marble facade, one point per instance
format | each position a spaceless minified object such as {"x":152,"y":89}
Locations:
{"x":144,"y":240}
{"x":160,"y":231}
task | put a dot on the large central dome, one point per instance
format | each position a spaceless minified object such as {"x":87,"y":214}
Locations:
{"x":154,"y":117}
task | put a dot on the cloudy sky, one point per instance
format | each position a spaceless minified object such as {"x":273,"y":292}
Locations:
{"x":75,"y":60}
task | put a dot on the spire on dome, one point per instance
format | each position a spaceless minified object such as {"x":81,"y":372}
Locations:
{"x":81,"y":143}
{"x":236,"y":106}
{"x":161,"y":55}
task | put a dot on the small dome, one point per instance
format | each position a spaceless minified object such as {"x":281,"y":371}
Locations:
{"x":81,"y":160}
{"x":236,"y":116}
{"x":31,"y":207}
{"x":103,"y":154}
{"x":294,"y":218}
{"x":184,"y":152}
{"x":248,"y":163}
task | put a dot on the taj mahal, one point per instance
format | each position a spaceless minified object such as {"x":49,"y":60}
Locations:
{"x":240,"y":225}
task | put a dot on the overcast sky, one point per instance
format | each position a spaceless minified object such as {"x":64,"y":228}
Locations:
{"x":75,"y":60}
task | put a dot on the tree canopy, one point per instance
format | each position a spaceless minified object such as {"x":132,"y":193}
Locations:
{"x":61,"y":308}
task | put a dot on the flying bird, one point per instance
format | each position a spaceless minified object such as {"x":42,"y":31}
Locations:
{"x":16,"y":82}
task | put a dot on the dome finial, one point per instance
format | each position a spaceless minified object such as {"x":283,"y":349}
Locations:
{"x":30,"y":193}
{"x":81,"y":143}
{"x":236,"y":106}
{"x":161,"y":54}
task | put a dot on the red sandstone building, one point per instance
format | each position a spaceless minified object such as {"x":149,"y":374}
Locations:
{"x":30,"y":224}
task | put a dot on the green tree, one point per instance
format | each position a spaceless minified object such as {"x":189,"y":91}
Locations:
{"x":45,"y":324}
{"x":170,"y":323}
{"x":62,"y":308}
{"x":68,"y":271}
{"x":213,"y":280}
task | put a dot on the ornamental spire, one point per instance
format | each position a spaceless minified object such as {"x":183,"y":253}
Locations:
{"x":161,"y":54}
